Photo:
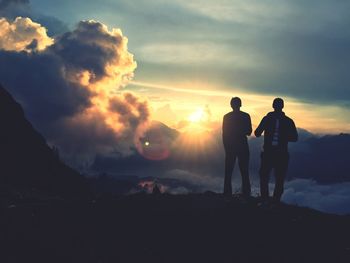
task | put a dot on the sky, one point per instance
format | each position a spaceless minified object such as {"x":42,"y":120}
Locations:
{"x":259,"y":50}
{"x":93,"y":76}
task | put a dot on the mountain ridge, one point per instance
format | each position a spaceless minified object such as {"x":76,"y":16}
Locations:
{"x":26,"y":159}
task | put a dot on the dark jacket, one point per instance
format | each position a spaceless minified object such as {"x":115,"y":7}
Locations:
{"x":235,"y":128}
{"x":287,"y":131}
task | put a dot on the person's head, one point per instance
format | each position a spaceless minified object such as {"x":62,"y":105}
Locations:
{"x":236,"y":103}
{"x":278,"y":104}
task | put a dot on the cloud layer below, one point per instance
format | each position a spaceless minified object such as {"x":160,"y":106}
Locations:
{"x":333,"y":198}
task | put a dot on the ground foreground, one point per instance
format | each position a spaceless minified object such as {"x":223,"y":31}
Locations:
{"x":167,"y":228}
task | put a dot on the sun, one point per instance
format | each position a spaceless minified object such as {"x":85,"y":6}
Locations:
{"x":196,"y":116}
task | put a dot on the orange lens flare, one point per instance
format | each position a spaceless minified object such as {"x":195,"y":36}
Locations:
{"x":152,"y":143}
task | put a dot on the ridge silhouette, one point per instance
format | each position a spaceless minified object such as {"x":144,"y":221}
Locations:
{"x":27,"y":161}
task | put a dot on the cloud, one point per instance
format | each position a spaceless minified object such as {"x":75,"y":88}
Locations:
{"x":203,"y":182}
{"x":317,"y":175}
{"x":69,"y":86}
{"x":333,"y":198}
{"x":273,"y":47}
{"x":165,"y":114}
{"x":131,"y":111}
{"x":38,"y":82}
{"x":23,"y":35}
{"x":185,"y":53}
{"x":54,"y":25}
{"x":105,"y":52}
{"x":324,"y":159}
{"x":13,"y":8}
{"x":6,"y":3}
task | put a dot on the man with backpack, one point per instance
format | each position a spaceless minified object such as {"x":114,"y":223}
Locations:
{"x":278,"y":130}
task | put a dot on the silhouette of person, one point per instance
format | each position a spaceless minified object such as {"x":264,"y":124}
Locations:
{"x":278,"y":131}
{"x":235,"y":128}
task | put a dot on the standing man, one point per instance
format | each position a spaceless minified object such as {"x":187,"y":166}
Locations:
{"x":278,"y":131}
{"x":235,"y":128}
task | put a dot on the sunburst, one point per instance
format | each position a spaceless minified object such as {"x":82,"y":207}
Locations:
{"x":197,"y":116}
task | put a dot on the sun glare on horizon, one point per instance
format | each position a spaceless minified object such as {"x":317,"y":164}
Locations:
{"x":197,"y":115}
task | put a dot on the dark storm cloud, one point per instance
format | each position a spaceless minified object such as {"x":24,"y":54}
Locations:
{"x":98,"y":48}
{"x":54,"y":25}
{"x":130,"y":110}
{"x":37,"y":81}
{"x":82,"y":137}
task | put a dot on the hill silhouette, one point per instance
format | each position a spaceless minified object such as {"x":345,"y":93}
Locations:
{"x":26,"y":161}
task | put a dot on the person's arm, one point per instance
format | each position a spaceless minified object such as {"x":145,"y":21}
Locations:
{"x":249,"y":126}
{"x":292,"y":132}
{"x":224,"y":131}
{"x":259,"y":130}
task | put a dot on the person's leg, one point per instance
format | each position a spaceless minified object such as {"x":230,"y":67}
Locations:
{"x":280,"y":174}
{"x":230,"y":159}
{"x":243,"y":162}
{"x":265,"y":169}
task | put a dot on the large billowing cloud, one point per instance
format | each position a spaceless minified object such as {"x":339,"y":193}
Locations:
{"x":94,"y":52}
{"x":38,"y":79}
{"x":70,"y":85}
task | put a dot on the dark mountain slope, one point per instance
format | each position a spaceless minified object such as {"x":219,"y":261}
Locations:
{"x":25,"y":158}
{"x":172,"y":228}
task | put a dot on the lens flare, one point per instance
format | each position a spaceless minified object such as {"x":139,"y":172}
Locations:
{"x":153,"y":142}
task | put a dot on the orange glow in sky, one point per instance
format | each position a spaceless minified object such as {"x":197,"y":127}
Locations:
{"x":197,"y":115}
{"x":176,"y":104}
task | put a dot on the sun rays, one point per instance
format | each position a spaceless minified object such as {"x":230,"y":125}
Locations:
{"x":197,"y":115}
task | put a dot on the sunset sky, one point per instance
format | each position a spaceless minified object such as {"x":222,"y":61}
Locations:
{"x":196,"y":54}
{"x":94,"y":76}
